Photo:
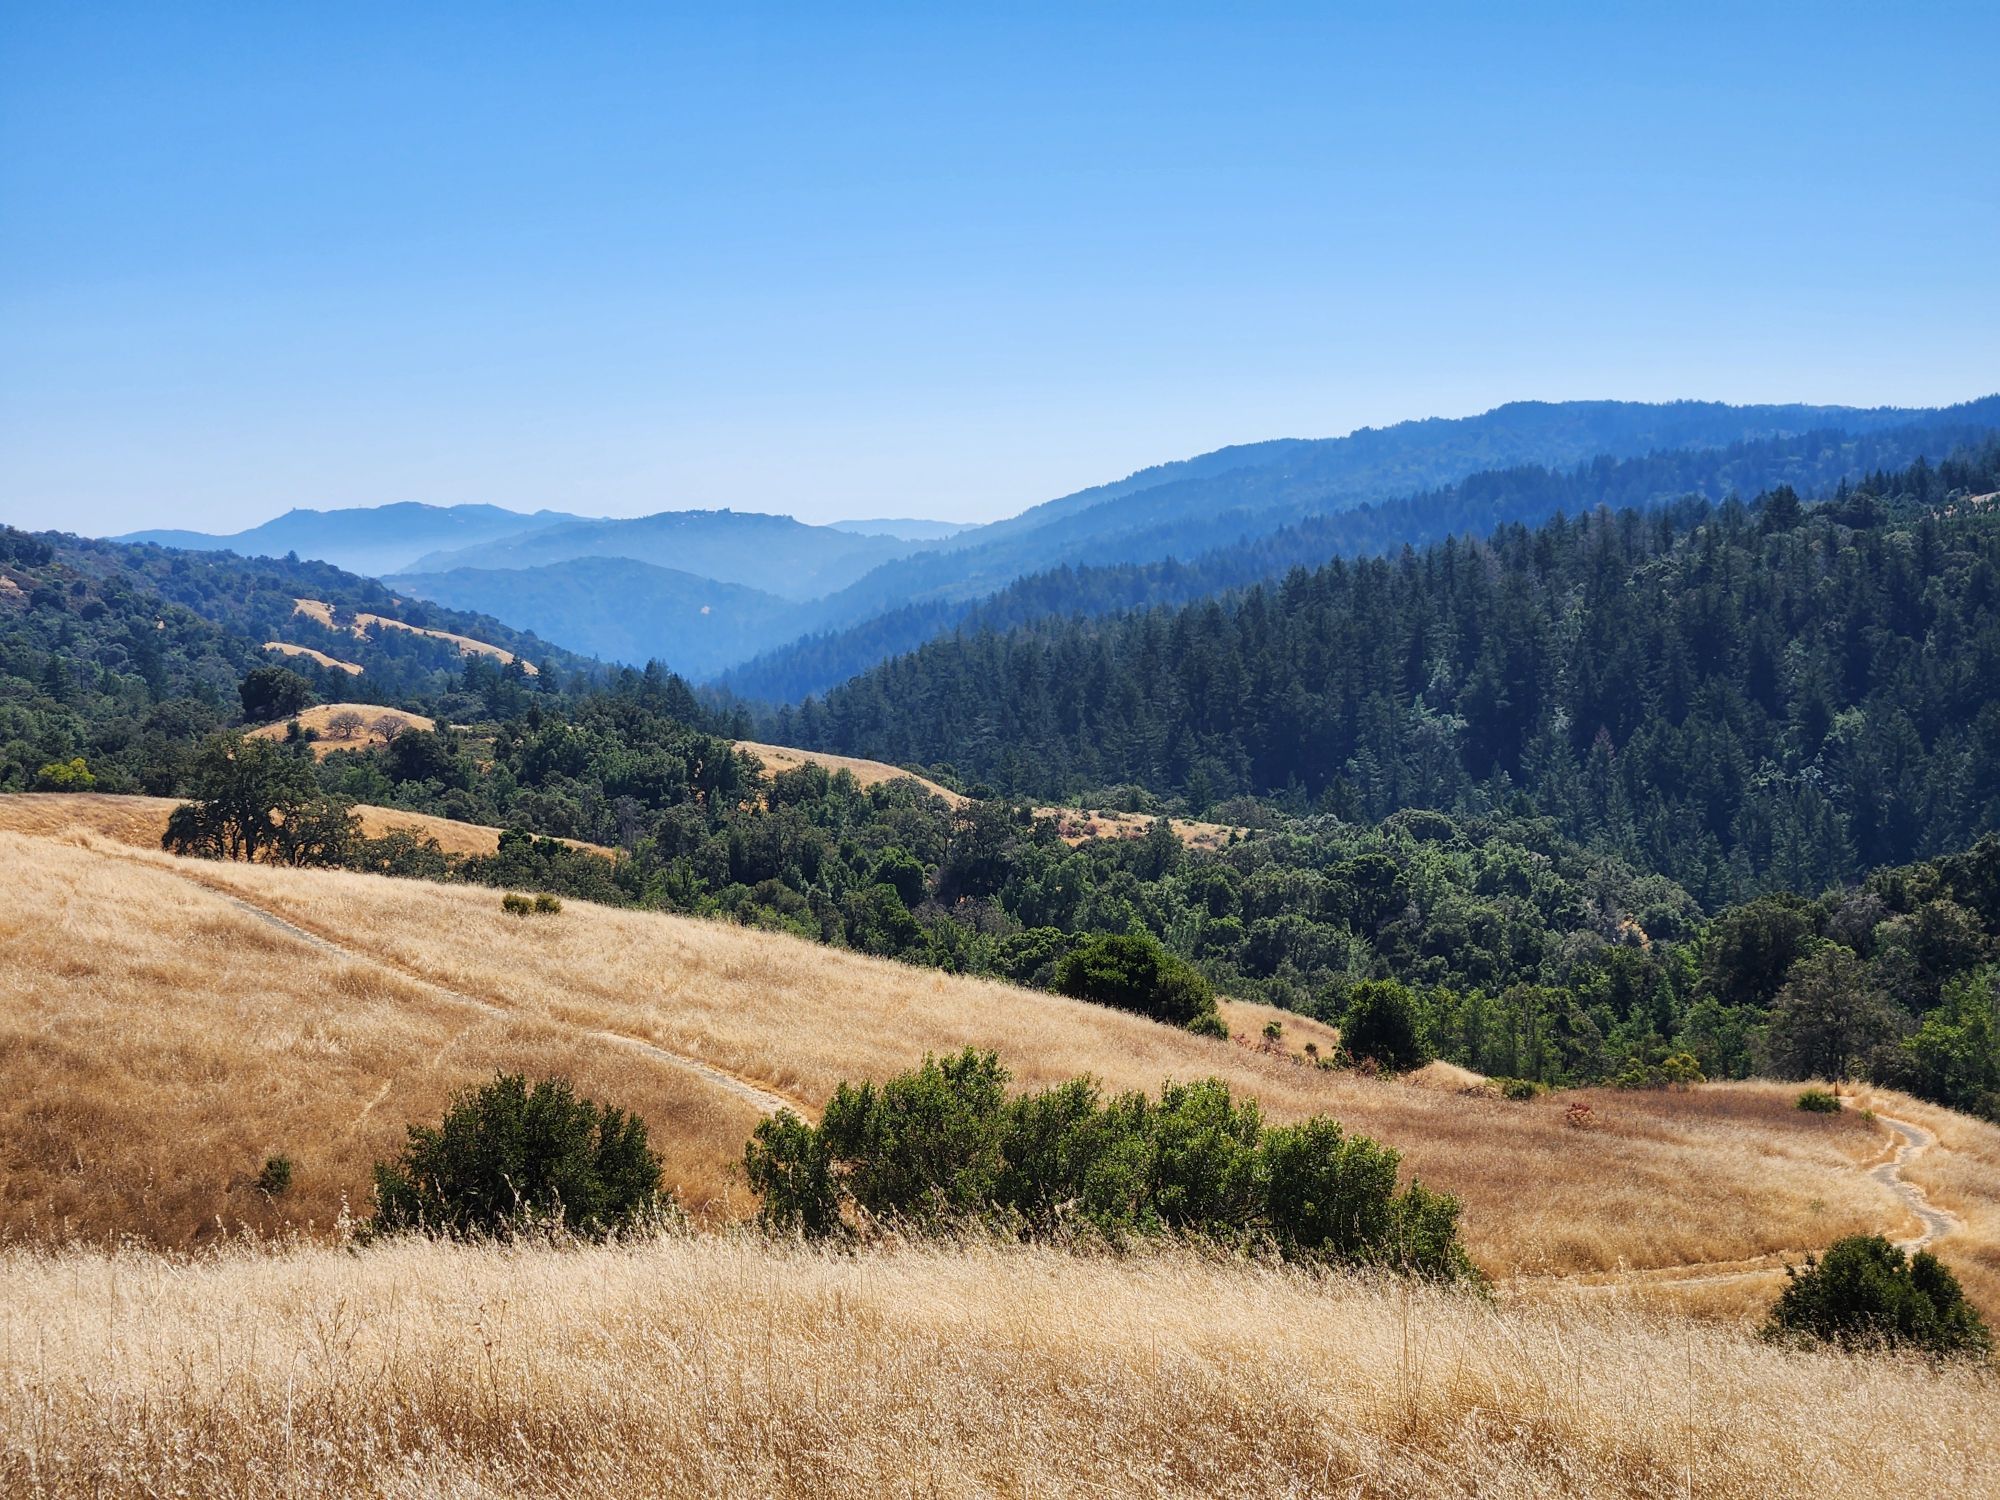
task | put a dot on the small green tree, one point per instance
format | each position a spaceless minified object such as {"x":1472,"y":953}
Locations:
{"x":1828,"y":1017}
{"x":1132,"y":972}
{"x":514,"y":1156}
{"x":72,"y":775}
{"x":1384,"y":1025}
{"x":270,"y":693}
{"x":253,"y":800}
{"x":1866,"y":1293}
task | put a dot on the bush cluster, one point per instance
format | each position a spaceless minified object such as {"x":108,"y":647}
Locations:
{"x":944,"y":1146}
{"x":1819,"y":1102}
{"x":1865,"y":1293}
{"x":513,"y":1157}
{"x":543,"y":904}
{"x":1132,"y":972}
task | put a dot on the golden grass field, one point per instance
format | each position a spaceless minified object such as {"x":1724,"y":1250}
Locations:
{"x":321,"y":611}
{"x":167,"y":1024}
{"x":286,"y":648}
{"x":717,"y":1365}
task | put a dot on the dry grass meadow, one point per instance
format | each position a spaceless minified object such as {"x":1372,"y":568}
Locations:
{"x":716,"y":1365}
{"x":165,"y":1025}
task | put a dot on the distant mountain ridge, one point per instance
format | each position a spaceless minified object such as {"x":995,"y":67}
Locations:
{"x":369,"y":540}
{"x":774,"y":553}
{"x":829,"y":594}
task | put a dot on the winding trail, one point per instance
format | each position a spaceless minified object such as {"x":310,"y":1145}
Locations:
{"x":764,"y":1100}
{"x":1935,"y":1223}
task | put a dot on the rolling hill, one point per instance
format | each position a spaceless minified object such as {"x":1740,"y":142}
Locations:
{"x":312,"y":1013}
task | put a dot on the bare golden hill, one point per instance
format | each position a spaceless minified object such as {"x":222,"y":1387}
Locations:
{"x":140,"y":821}
{"x":287,"y":648}
{"x":1076,"y":825}
{"x":321,"y":611}
{"x":346,"y":726}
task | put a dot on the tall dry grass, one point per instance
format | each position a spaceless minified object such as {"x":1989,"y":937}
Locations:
{"x":721,"y":1366}
{"x":158,"y":1043}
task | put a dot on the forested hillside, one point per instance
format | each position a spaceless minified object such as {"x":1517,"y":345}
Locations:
{"x":125,"y":655}
{"x":1735,"y":695}
{"x":1234,"y":547}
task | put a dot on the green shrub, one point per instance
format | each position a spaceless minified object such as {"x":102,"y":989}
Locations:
{"x":511,"y":1157}
{"x":1819,"y":1102}
{"x":944,"y":1145}
{"x":276,"y":1175}
{"x":1384,"y":1026}
{"x":515,"y":904}
{"x":1519,"y":1089}
{"x":1865,"y":1293}
{"x":1132,"y":972}
{"x":547,"y":905}
{"x":1210,"y":1024}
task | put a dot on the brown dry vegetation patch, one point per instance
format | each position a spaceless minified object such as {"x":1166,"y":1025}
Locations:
{"x":157,"y":1043}
{"x":352,"y":668}
{"x":320,"y":610}
{"x":1718,"y":1173}
{"x":723,"y":1366}
{"x":1074,"y":825}
{"x":777,"y":758}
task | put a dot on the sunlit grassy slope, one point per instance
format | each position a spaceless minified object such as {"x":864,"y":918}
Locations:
{"x":162,"y":1039}
{"x":165,"y":1025}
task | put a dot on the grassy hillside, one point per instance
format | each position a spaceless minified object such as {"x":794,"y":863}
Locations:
{"x":166,"y":1025}
{"x":321,"y":1037}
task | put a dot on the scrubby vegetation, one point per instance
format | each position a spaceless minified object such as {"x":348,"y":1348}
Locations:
{"x":516,"y":1157}
{"x":946,"y":1146}
{"x":1865,"y":1293}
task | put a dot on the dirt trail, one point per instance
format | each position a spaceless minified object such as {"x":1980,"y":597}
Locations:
{"x":764,"y":1100}
{"x":1935,"y":1224}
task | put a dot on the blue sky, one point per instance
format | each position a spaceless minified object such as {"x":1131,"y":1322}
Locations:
{"x":951,"y":261}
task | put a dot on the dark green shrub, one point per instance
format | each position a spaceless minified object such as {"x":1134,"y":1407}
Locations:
{"x":1384,"y":1026}
{"x":944,"y":1145}
{"x":515,"y":904}
{"x":276,"y":1175}
{"x":923,"y":1146}
{"x":513,"y":1156}
{"x":790,"y":1168}
{"x":1819,"y":1102}
{"x":1133,"y":972}
{"x":1865,"y":1293}
{"x":547,"y":905}
{"x":1519,"y":1089}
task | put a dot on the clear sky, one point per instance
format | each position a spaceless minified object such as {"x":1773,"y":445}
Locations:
{"x":951,"y":260}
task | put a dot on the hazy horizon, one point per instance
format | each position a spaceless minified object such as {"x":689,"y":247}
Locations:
{"x":864,"y":264}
